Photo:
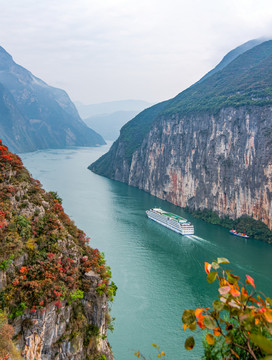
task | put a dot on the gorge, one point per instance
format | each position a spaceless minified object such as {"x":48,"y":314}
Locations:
{"x":210,"y":146}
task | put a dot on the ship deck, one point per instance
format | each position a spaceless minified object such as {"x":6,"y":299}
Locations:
{"x":176,"y":217}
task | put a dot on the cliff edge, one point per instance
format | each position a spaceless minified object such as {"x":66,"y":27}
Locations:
{"x":210,"y":146}
{"x":54,"y":288}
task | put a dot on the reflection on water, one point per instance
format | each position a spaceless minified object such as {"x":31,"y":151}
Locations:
{"x":158,"y":272}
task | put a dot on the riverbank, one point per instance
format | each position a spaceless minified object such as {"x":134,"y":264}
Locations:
{"x":255,"y":229}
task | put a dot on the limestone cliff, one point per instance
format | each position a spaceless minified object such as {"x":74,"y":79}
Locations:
{"x":210,"y":146}
{"x":53,"y":287}
{"x":221,"y":162}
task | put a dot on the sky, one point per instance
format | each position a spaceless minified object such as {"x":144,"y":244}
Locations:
{"x":107,"y":50}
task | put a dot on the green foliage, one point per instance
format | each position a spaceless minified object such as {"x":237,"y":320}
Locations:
{"x":77,"y":294}
{"x":56,"y":196}
{"x":23,"y":226}
{"x":54,"y":254}
{"x":246,"y":81}
{"x":91,"y":331}
{"x":253,"y":228}
{"x":5,"y":264}
{"x":18,"y":311}
{"x":112,"y":289}
{"x":238,"y":325}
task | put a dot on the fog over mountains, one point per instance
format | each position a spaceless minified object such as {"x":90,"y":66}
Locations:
{"x":107,"y":118}
{"x":34,"y":115}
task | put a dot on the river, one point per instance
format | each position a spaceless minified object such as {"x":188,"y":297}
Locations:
{"x":158,"y":272}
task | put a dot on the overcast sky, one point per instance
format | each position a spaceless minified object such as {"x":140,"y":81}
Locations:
{"x":105,"y":50}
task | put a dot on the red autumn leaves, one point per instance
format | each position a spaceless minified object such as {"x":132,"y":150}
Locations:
{"x":246,"y":312}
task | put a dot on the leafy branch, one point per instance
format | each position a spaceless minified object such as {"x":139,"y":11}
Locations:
{"x":240,"y":320}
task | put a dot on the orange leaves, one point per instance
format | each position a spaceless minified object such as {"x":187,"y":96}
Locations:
{"x":200,"y":322}
{"x":250,"y":281}
{"x":198,"y":312}
{"x":244,"y":292}
{"x":217,"y":331}
{"x":208,"y":267}
{"x":7,"y":157}
{"x":268,"y":315}
{"x":234,"y":292}
{"x":23,"y":270}
{"x":235,"y":354}
{"x":15,"y":282}
{"x":200,"y":317}
{"x":245,"y":310}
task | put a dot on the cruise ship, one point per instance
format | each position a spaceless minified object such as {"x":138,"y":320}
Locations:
{"x":171,"y":221}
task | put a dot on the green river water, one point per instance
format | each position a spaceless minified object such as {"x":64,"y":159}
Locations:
{"x":159,"y":273}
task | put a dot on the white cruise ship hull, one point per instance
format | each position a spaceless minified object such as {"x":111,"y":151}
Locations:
{"x":171,"y":223}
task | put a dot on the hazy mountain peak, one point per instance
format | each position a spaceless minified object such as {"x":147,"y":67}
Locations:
{"x":5,"y":59}
{"x":234,"y":53}
{"x":110,"y":107}
{"x":37,"y":115}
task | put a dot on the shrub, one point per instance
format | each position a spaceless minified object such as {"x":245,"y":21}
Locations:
{"x":239,"y":324}
{"x":6,"y":345}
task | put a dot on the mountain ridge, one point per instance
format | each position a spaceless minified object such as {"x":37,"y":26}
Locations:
{"x":46,"y":117}
{"x":207,"y":148}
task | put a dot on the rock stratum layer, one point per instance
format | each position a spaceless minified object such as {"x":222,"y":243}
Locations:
{"x":210,"y":146}
{"x":54,"y":288}
{"x":221,"y":162}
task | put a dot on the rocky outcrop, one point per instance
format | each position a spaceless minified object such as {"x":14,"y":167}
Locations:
{"x":221,"y":162}
{"x":54,"y":333}
{"x":54,"y":288}
{"x":210,"y":146}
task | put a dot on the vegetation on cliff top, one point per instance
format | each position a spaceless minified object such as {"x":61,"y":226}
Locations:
{"x":246,"y":80}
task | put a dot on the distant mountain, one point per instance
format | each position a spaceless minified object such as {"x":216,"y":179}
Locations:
{"x":210,"y":146}
{"x":34,"y":115}
{"x":109,"y":125}
{"x":232,"y":55}
{"x":87,"y":111}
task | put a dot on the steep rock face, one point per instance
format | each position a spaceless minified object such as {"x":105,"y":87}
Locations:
{"x":53,"y":286}
{"x":34,"y":115}
{"x":221,"y":162}
{"x":210,"y":146}
{"x":52,"y":333}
